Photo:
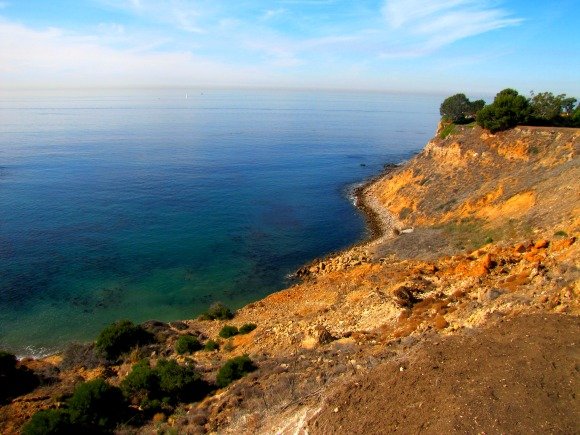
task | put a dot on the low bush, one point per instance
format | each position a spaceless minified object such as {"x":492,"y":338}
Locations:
{"x":187,"y":344}
{"x":228,"y":331}
{"x":166,"y":383}
{"x":50,"y":422}
{"x":217,"y":311}
{"x":141,"y":384}
{"x":96,"y":403}
{"x":14,"y":379}
{"x":94,"y":407}
{"x":447,"y":130}
{"x":233,"y":369}
{"x":211,"y":345}
{"x":180,"y":383}
{"x":247,"y":328}
{"x":120,"y":337}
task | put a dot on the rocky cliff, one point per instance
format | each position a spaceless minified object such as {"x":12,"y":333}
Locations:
{"x":462,"y":316}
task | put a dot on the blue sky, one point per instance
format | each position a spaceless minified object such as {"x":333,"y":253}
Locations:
{"x":473,"y":46}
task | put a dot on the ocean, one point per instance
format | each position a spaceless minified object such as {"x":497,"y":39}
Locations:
{"x":154,"y":203}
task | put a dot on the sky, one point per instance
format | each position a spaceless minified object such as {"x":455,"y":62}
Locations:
{"x":440,"y":46}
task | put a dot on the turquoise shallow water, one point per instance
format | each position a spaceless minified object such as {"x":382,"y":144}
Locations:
{"x":150,"y":205}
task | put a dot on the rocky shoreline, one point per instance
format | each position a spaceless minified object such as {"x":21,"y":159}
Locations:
{"x":380,"y":225}
{"x":380,"y":222}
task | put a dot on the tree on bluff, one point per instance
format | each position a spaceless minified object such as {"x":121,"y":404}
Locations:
{"x":507,"y":110}
{"x":458,"y":108}
{"x":548,"y":108}
{"x":546,"y":105}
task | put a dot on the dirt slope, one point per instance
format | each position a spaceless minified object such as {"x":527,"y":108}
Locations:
{"x":518,"y":376}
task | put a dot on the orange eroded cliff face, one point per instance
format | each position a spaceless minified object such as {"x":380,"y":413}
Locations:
{"x":516,"y":174}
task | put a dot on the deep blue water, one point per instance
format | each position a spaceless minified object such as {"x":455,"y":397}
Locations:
{"x":150,"y":205}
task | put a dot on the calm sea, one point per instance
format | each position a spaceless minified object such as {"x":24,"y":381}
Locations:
{"x":152,"y":204}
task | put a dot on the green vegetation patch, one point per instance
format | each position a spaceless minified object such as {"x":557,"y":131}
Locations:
{"x":120,"y":337}
{"x":217,"y":311}
{"x":247,"y":328}
{"x":234,"y":369}
{"x":447,"y":130}
{"x":469,"y":233}
{"x":187,"y":344}
{"x":50,"y":422}
{"x":95,"y":407}
{"x":509,"y":109}
{"x":228,"y":331}
{"x":458,"y":109}
{"x":166,"y":384}
{"x":211,"y":345}
{"x":473,"y":233}
{"x":96,"y":403}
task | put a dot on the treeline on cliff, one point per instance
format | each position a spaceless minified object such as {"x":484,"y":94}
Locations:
{"x":509,"y":109}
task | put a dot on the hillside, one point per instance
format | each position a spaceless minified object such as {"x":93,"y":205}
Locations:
{"x":461,"y":316}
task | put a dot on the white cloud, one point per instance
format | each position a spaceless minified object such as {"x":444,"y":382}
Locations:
{"x":234,"y":46}
{"x":185,"y":15}
{"x":400,"y":12}
{"x":272,"y":13}
{"x":437,"y":23}
{"x":111,"y":28}
{"x":54,"y":57}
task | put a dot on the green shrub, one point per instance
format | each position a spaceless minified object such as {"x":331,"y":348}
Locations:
{"x":247,"y":328}
{"x":575,"y":118}
{"x":507,"y":110}
{"x":228,"y":331}
{"x":96,"y":403}
{"x":187,"y":344}
{"x":217,"y":311}
{"x":180,"y":383}
{"x":141,"y":383}
{"x":120,"y":337}
{"x":94,"y":407}
{"x":168,"y":383}
{"x":233,"y":369}
{"x":447,"y":130}
{"x":50,"y":422}
{"x":459,"y":109}
{"x":560,"y":233}
{"x":14,"y":380}
{"x":211,"y":345}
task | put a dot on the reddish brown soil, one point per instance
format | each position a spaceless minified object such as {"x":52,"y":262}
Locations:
{"x":519,"y":376}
